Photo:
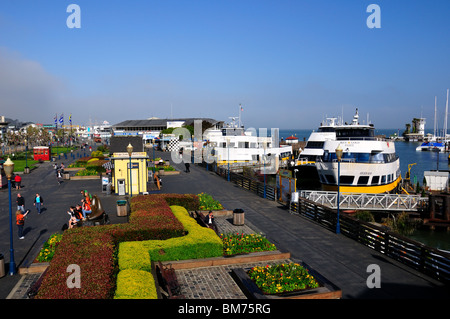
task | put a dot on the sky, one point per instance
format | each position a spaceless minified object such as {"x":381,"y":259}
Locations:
{"x":289,"y":63}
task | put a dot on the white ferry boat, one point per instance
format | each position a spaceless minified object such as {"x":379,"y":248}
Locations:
{"x":314,"y":146}
{"x":368,"y":165}
{"x":233,"y":144}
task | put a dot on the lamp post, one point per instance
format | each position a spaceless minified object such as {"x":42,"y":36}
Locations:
{"x":264,"y":172}
{"x":26,"y":169}
{"x":228,"y":157}
{"x":8,"y":167}
{"x":130,"y":151}
{"x":339,"y":153}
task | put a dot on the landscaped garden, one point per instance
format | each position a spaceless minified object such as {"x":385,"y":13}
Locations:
{"x":89,"y":166}
{"x":115,"y":260}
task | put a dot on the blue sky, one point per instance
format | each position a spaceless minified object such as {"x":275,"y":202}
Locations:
{"x":289,"y":63}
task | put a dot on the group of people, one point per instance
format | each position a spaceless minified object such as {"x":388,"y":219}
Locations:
{"x":21,"y":213}
{"x":78,"y":213}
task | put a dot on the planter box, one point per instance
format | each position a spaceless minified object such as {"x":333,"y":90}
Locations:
{"x":34,"y":268}
{"x":75,"y":178}
{"x":327,"y":289}
{"x":237,"y":259}
{"x":166,"y":173}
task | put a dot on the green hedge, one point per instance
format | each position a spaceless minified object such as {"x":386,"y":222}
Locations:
{"x":199,"y":242}
{"x":135,"y":284}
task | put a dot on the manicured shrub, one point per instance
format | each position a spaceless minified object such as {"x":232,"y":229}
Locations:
{"x":135,"y":284}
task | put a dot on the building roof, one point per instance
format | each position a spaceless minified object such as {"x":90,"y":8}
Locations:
{"x":160,"y":122}
{"x":292,"y":137}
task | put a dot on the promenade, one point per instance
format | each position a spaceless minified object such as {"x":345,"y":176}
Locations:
{"x":338,"y":258}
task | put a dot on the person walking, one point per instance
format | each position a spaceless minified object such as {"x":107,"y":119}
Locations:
{"x":20,"y":203}
{"x":38,"y":202}
{"x":187,"y":165}
{"x":20,"y":221}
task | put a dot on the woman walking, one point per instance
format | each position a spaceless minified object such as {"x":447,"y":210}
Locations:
{"x":38,"y":202}
{"x":20,"y":221}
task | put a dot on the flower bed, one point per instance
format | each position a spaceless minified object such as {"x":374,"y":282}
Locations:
{"x":234,"y":244}
{"x":48,"y":249}
{"x":282,"y":278}
{"x":94,"y":248}
{"x":207,"y":202}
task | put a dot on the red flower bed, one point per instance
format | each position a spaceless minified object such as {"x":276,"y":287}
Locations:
{"x":93,"y":248}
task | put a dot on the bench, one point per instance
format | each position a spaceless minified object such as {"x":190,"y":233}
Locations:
{"x":201,"y":221}
{"x":170,"y":281}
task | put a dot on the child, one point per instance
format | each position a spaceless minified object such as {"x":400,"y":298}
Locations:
{"x":20,"y":221}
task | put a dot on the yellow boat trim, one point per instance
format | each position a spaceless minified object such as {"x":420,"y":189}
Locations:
{"x":376,"y":189}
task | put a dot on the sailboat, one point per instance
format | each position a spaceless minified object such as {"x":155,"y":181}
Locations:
{"x":435,"y":144}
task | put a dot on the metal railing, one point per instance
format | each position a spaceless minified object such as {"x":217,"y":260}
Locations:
{"x":394,"y":202}
{"x":430,"y":261}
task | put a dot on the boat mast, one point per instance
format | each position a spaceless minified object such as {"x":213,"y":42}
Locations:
{"x":435,"y":103}
{"x":445,"y":120}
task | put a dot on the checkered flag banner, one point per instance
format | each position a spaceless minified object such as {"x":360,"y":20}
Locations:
{"x":108,"y":165}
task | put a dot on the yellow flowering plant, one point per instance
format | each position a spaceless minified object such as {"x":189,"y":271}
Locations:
{"x":282,"y":278}
{"x":49,"y":248}
{"x":235,"y":243}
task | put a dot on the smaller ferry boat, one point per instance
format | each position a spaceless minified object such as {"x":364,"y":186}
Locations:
{"x":234,"y":144}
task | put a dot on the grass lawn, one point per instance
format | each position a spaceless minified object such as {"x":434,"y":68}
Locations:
{"x":19,"y":165}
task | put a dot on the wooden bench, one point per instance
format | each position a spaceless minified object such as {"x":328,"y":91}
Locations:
{"x":201,"y":221}
{"x":170,"y":281}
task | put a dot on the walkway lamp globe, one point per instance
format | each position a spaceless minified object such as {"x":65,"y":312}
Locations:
{"x":130,"y":151}
{"x":339,"y":152}
{"x":8,"y":167}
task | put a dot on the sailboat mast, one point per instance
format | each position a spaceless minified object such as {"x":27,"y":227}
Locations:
{"x":445,"y":120}
{"x":435,"y":106}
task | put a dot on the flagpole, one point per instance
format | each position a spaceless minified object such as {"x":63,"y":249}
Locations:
{"x":240,"y":108}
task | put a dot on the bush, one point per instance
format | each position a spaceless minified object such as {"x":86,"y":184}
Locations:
{"x":135,"y":284}
{"x":93,"y":249}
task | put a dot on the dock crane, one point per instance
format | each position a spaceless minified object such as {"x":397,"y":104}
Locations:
{"x":407,"y":180}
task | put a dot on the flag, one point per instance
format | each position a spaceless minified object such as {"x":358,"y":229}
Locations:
{"x":61,"y":119}
{"x":242,"y":108}
{"x":70,"y":118}
{"x":56,"y":119}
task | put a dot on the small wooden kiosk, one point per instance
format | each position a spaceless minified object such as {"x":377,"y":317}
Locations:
{"x":41,"y":153}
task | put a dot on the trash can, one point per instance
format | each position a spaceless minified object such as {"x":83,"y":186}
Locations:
{"x":238,"y":217}
{"x":2,"y":266}
{"x":121,"y":208}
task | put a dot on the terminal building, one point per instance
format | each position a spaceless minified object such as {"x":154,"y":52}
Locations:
{"x":151,"y":128}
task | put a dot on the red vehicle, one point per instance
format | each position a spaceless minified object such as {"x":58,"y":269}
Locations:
{"x":41,"y":153}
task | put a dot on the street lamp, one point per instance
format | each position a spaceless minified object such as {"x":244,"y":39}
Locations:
{"x":130,"y":151}
{"x":228,"y":157}
{"x":264,"y":159}
{"x":8,"y":167}
{"x":339,"y":153}
{"x":26,"y":170}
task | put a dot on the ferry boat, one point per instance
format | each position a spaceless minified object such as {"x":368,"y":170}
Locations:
{"x":235,"y":145}
{"x":314,"y":145}
{"x":368,"y":165}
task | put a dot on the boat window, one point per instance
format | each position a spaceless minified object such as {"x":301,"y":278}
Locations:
{"x":377,"y":158}
{"x":375,"y":180}
{"x":363,"y":180}
{"x":383,"y":179}
{"x":330,"y":179}
{"x":311,"y":144}
{"x":346,"y":179}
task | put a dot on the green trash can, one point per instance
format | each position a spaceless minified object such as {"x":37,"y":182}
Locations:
{"x":121,"y":208}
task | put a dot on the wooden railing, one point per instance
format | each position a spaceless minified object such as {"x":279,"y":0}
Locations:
{"x":250,"y":184}
{"x":430,"y":261}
